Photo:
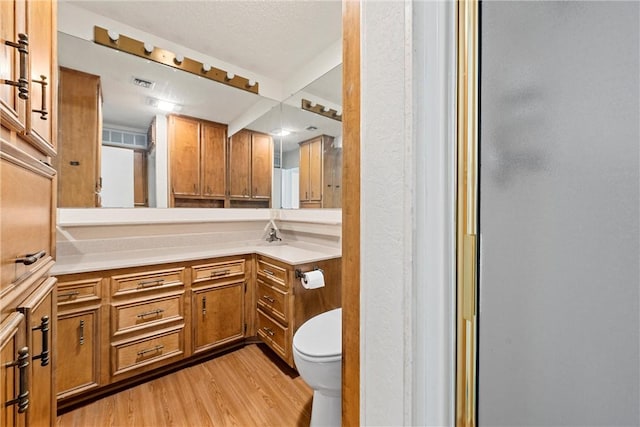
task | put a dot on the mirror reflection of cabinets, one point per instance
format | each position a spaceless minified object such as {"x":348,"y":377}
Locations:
{"x":80,"y":133}
{"x":253,"y":174}
{"x":197,"y":156}
{"x":207,"y":170}
{"x":250,"y":169}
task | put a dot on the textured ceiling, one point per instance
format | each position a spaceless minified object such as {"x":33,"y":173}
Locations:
{"x":270,"y":37}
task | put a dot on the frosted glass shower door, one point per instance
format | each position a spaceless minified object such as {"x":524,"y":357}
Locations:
{"x":559,"y":214}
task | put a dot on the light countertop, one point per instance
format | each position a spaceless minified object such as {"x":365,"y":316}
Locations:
{"x":292,"y":253}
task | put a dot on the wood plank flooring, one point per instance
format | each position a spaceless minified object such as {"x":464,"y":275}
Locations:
{"x":247,"y":387}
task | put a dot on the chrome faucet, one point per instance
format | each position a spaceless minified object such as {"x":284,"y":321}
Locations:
{"x":273,"y":235}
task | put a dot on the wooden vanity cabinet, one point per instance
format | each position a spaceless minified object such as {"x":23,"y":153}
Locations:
{"x":117,"y":326}
{"x":28,"y":120}
{"x":79,"y":300}
{"x":218,"y":300}
{"x":283,"y":304}
{"x":39,"y":311}
{"x":80,"y":135}
{"x":197,"y":157}
{"x":250,"y":169}
{"x":147,"y":319}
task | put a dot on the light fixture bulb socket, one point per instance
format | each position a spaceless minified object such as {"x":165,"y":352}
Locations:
{"x":148,"y":48}
{"x":113,"y":35}
{"x":206,"y":68}
{"x":231,"y":76}
{"x":251,"y":83}
{"x":178,"y":59}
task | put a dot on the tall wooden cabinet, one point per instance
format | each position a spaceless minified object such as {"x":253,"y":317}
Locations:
{"x":250,"y":169}
{"x":197,"y":156}
{"x":27,"y":211}
{"x":80,"y":136}
{"x":320,"y":173}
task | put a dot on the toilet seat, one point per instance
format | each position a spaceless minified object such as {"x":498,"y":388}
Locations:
{"x":320,"y":338}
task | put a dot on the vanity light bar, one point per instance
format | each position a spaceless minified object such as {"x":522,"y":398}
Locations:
{"x":126,"y":44}
{"x":320,"y":109}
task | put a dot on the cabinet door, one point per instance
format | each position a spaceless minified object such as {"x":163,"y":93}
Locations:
{"x":315,"y":170}
{"x":12,"y":342}
{"x":78,"y":161}
{"x":25,"y":220}
{"x":184,"y":140}
{"x":213,"y":145}
{"x":41,"y":28}
{"x":12,"y":108}
{"x":78,"y":351}
{"x":218,"y":315}
{"x":39,"y":311}
{"x":261,"y":166}
{"x":304,"y":172}
{"x":140,"y":178}
{"x":239,"y":155}
{"x":332,"y":193}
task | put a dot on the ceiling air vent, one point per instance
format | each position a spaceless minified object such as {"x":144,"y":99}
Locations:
{"x":143,"y":83}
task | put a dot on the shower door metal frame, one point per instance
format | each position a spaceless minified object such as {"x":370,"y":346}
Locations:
{"x":467,"y":214}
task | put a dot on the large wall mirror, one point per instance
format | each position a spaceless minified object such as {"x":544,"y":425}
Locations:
{"x":132,"y":154}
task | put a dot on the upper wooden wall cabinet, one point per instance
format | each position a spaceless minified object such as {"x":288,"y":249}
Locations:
{"x":28,"y":83}
{"x":320,"y":173}
{"x":197,"y":157}
{"x":80,"y":127}
{"x":206,"y":171}
{"x":27,"y":54}
{"x":250,"y":169}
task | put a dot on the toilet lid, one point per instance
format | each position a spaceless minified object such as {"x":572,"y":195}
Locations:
{"x":320,"y":336}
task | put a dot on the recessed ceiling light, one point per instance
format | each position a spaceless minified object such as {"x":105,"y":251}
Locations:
{"x":280,"y":132}
{"x":166,"y":105}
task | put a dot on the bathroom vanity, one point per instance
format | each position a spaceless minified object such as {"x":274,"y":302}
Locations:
{"x":127,"y":316}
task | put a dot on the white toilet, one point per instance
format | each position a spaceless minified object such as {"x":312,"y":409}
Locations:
{"x":317,"y":351}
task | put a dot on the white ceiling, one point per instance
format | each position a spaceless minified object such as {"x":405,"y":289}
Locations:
{"x":272,"y":37}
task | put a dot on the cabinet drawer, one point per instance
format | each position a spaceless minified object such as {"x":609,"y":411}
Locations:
{"x":273,"y":301}
{"x":273,"y":273}
{"x":149,"y":280}
{"x":274,"y":334}
{"x":70,"y":293}
{"x":144,"y":314}
{"x":131,"y":355}
{"x":217,"y":271}
{"x":25,"y":221}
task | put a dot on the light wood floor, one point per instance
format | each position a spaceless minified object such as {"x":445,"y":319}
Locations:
{"x":247,"y":387}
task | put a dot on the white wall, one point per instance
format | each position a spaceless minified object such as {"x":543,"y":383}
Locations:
{"x":117,"y":177}
{"x":162,"y":163}
{"x":407,"y":213}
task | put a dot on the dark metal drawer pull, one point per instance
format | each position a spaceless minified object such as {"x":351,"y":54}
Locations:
{"x":269,"y":330}
{"x":23,"y":393}
{"x":69,"y":294}
{"x":204,"y":305}
{"x":220,"y":273}
{"x":82,"y":332}
{"x":150,"y":313}
{"x":149,"y":283}
{"x":44,"y":327}
{"x":29,"y":259}
{"x":22,"y":84}
{"x":157,"y":348}
{"x":269,"y":272}
{"x":43,"y":110}
{"x":268,"y":298}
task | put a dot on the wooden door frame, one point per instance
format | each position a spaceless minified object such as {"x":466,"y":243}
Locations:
{"x":351,"y":213}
